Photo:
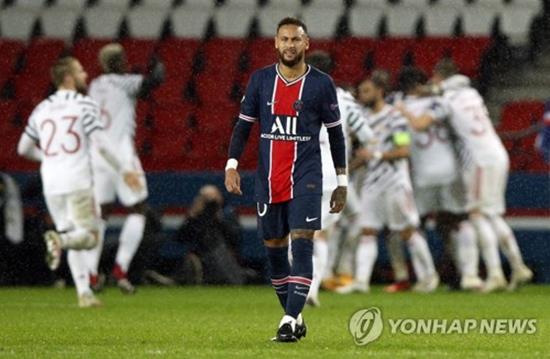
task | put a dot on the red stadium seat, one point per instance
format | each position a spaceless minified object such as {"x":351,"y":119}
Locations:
{"x":390,"y":53}
{"x":11,"y":132}
{"x":350,"y":58}
{"x":138,"y":53}
{"x":213,"y":89}
{"x":468,"y":53}
{"x":261,"y":53}
{"x":428,"y":51}
{"x":170,"y":91}
{"x":31,"y":88}
{"x":519,"y":116}
{"x":222,"y":56}
{"x":11,"y":50}
{"x":87,"y":52}
{"x":177,"y":55}
{"x":41,"y":55}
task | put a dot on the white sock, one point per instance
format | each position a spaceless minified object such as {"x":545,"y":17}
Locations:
{"x":130,"y":238}
{"x":421,"y":257}
{"x":93,"y":255}
{"x":396,"y":252}
{"x":367,"y":252}
{"x":320,"y":254}
{"x":79,"y":271}
{"x":507,"y":242}
{"x":488,"y":243}
{"x":78,"y":238}
{"x":467,"y":252}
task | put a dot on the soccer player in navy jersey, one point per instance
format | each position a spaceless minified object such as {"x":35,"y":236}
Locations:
{"x":290,"y":101}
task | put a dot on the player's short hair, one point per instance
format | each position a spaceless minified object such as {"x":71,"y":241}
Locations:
{"x":62,"y":68}
{"x":112,"y":58}
{"x":381,"y":79}
{"x":410,"y":77}
{"x":292,"y":21}
{"x":446,"y":68}
{"x":321,"y":60}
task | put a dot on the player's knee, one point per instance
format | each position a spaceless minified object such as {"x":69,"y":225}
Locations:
{"x":276,"y":242}
{"x":407,"y":233}
{"x":302,"y":234}
{"x":369,"y":232}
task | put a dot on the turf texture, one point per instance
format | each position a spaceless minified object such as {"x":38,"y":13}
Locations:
{"x":238,"y":322}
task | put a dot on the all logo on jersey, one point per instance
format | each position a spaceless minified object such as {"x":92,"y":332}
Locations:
{"x":285,"y":128}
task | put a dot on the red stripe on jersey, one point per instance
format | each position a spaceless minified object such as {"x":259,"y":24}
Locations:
{"x":283,"y":153}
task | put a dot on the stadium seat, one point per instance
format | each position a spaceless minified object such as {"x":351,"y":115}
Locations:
{"x":199,"y":4}
{"x":419,"y":4}
{"x":428,"y":51}
{"x":261,"y":53}
{"x":158,"y":4}
{"x":119,"y":4}
{"x":222,"y":56}
{"x":468,"y":53}
{"x":402,"y":21}
{"x":103,"y":22}
{"x":41,"y":54}
{"x":146,"y":22}
{"x":454,"y":4}
{"x":59,"y":22}
{"x":350,"y":56}
{"x":269,"y":17}
{"x":226,"y":26}
{"x":322,"y":22}
{"x":338,"y":4}
{"x":440,"y":20}
{"x":76,"y":5}
{"x":535,"y":5}
{"x":171,"y":90}
{"x":380,"y":4}
{"x":35,"y":5}
{"x":17,"y":23}
{"x":365,"y":21}
{"x":515,"y":23}
{"x":214,"y":90}
{"x":478,"y":20}
{"x":494,"y":4}
{"x":31,"y":88}
{"x":190,"y":24}
{"x":177,"y":55}
{"x":86,"y":51}
{"x":390,"y":53}
{"x":11,"y":51}
{"x":138,"y":53}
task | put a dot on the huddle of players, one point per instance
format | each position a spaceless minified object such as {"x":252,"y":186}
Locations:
{"x":85,"y":143}
{"x":429,"y":149}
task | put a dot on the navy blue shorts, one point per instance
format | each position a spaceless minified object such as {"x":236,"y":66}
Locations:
{"x":276,"y":220}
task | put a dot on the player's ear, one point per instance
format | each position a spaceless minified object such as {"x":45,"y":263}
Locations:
{"x":306,"y":40}
{"x":275,"y":42}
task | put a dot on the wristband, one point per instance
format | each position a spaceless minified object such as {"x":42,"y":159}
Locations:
{"x":231,"y":164}
{"x":377,"y":155}
{"x":342,"y":180}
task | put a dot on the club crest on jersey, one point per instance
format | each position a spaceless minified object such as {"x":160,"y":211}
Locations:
{"x":298,"y":105}
{"x":286,"y":128}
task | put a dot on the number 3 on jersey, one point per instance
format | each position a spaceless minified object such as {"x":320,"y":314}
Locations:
{"x":67,"y":141}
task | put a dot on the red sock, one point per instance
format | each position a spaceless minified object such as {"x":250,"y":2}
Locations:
{"x":118,"y":273}
{"x":93,"y":280}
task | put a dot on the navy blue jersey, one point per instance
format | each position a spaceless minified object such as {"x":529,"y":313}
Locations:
{"x":290,"y":115}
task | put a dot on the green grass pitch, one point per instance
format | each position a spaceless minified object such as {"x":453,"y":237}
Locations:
{"x":236,"y":322}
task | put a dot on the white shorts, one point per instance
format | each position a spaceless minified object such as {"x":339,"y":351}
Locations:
{"x":393,"y":207}
{"x":328,"y":219}
{"x":109,"y":185}
{"x":486,"y":187}
{"x":74,"y":210}
{"x":442,"y":198}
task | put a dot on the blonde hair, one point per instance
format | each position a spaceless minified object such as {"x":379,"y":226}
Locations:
{"x":112,"y":58}
{"x":62,"y":68}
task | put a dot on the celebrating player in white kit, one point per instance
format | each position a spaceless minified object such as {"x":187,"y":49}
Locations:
{"x":117,"y":92}
{"x":66,"y":127}
{"x":435,"y":169}
{"x":354,"y":124}
{"x":386,"y":196}
{"x":485,"y":173}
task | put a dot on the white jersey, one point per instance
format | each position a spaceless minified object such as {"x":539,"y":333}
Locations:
{"x":382,"y":174}
{"x":61,"y":125}
{"x":116,"y":95}
{"x":354,"y":123}
{"x":478,"y":140}
{"x":433,"y":157}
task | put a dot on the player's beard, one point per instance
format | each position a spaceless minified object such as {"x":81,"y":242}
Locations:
{"x":291,"y":63}
{"x":82,"y":88}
